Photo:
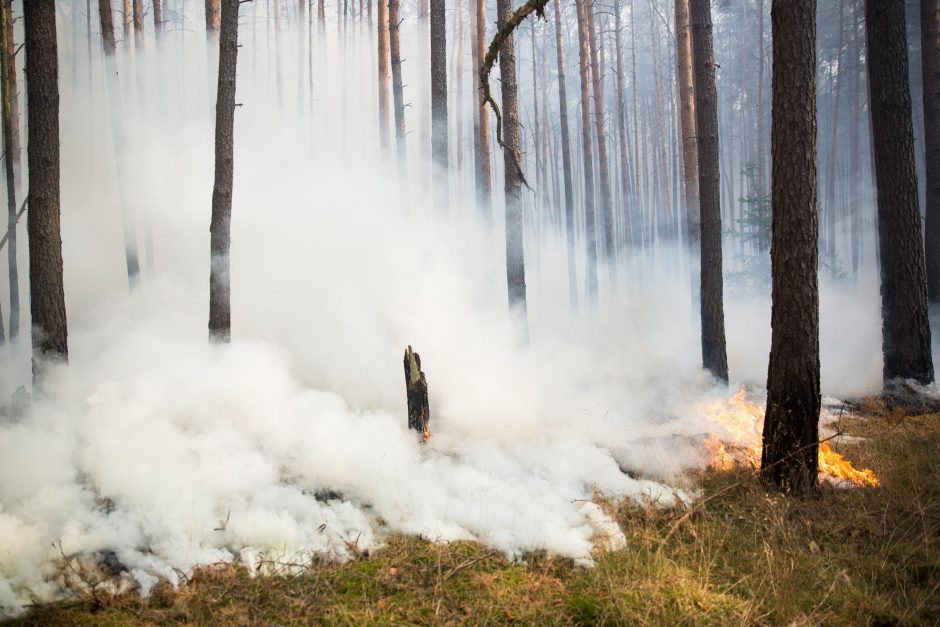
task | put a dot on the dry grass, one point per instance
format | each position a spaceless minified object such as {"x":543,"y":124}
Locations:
{"x":747,"y":556}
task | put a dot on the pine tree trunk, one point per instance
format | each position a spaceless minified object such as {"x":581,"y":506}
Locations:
{"x":789,"y":457}
{"x":566,"y":157}
{"x":512,"y":159}
{"x":834,"y":150}
{"x":439,"y":106}
{"x":714,"y":357}
{"x":14,"y":90}
{"x":590,"y":232}
{"x":115,"y":99}
{"x":481,"y":123}
{"x":128,"y":16}
{"x":383,"y":31}
{"x":138,"y":26}
{"x":6,"y":32}
{"x":687,"y":124}
{"x":930,"y":51}
{"x":213,"y":17}
{"x":855,"y":160}
{"x":424,"y":92}
{"x":607,"y":205}
{"x":220,"y":226}
{"x":158,"y":19}
{"x":398,"y":93}
{"x":905,"y":328}
{"x":668,"y":226}
{"x":46,"y":289}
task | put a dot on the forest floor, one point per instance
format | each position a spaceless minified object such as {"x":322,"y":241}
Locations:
{"x":740,"y":555}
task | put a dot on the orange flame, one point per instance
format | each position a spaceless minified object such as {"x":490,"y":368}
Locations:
{"x":742,"y":423}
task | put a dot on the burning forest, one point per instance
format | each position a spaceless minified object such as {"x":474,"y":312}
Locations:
{"x":434,"y":311}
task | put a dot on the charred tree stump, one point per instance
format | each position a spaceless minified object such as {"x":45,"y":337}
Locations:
{"x":416,"y":388}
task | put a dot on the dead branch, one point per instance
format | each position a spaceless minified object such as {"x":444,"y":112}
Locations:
{"x":538,"y":7}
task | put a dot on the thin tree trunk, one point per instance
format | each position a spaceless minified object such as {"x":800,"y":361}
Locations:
{"x":14,"y":90}
{"x":834,"y":150}
{"x":383,"y":31}
{"x":930,"y":51}
{"x":590,"y":234}
{"x":115,"y":98}
{"x":627,"y":227}
{"x":439,"y":106}
{"x":714,"y":356}
{"x":607,"y":205}
{"x":481,"y":123}
{"x":789,"y":457}
{"x":46,"y":289}
{"x":905,"y":327}
{"x":761,"y":134}
{"x":128,"y":16}
{"x":398,"y":94}
{"x":158,"y":20}
{"x":667,"y":219}
{"x":220,"y":226}
{"x":566,"y":157}
{"x":687,"y":123}
{"x":424,"y":94}
{"x":855,"y":166}
{"x":213,"y":17}
{"x":138,"y":26}
{"x":512,"y":156}
{"x":6,"y":31}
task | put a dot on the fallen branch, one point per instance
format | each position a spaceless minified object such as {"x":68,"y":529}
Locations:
{"x":19,"y":215}
{"x":532,"y":6}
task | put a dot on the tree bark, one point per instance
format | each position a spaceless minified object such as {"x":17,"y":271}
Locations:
{"x":789,"y":458}
{"x":14,"y":90}
{"x":7,"y":69}
{"x":138,"y":25}
{"x":714,"y":357}
{"x":930,"y":51}
{"x":512,"y":157}
{"x":481,"y":122}
{"x":213,"y":17}
{"x":905,"y":327}
{"x":439,"y":106}
{"x":830,"y":206}
{"x":398,"y":93}
{"x":607,"y":204}
{"x":687,"y":124}
{"x":220,"y":227}
{"x":46,"y":289}
{"x":383,"y":32}
{"x":587,"y":152}
{"x":158,"y":19}
{"x":113,"y":87}
{"x":566,"y":157}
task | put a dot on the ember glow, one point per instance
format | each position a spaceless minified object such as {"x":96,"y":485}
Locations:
{"x":738,"y":443}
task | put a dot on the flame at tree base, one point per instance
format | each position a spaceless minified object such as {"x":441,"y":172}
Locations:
{"x":741,"y":445}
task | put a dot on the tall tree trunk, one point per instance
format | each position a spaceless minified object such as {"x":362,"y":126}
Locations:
{"x":46,"y":289}
{"x":590,"y":230}
{"x":481,"y":122}
{"x":930,"y":51}
{"x":138,"y":25}
{"x":113,"y":87}
{"x":761,"y":134}
{"x":714,"y":356}
{"x":6,"y":69}
{"x":14,"y":90}
{"x":607,"y":205}
{"x":158,"y":20}
{"x":627,"y":227}
{"x":220,"y":226}
{"x":789,"y":458}
{"x":424,"y":94}
{"x":439,"y":106}
{"x":398,"y":93}
{"x":905,"y":328}
{"x":383,"y":31}
{"x":512,"y":157}
{"x":834,"y":150}
{"x":566,"y":157}
{"x":213,"y":17}
{"x":687,"y":123}
{"x":668,"y":226}
{"x":128,"y":16}
{"x":855,"y":165}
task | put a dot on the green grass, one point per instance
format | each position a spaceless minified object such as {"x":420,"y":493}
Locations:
{"x":747,"y":556}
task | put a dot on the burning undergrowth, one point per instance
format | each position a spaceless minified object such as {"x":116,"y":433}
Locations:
{"x":738,"y":441}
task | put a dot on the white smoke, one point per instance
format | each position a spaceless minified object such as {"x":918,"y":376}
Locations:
{"x":167,"y":452}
